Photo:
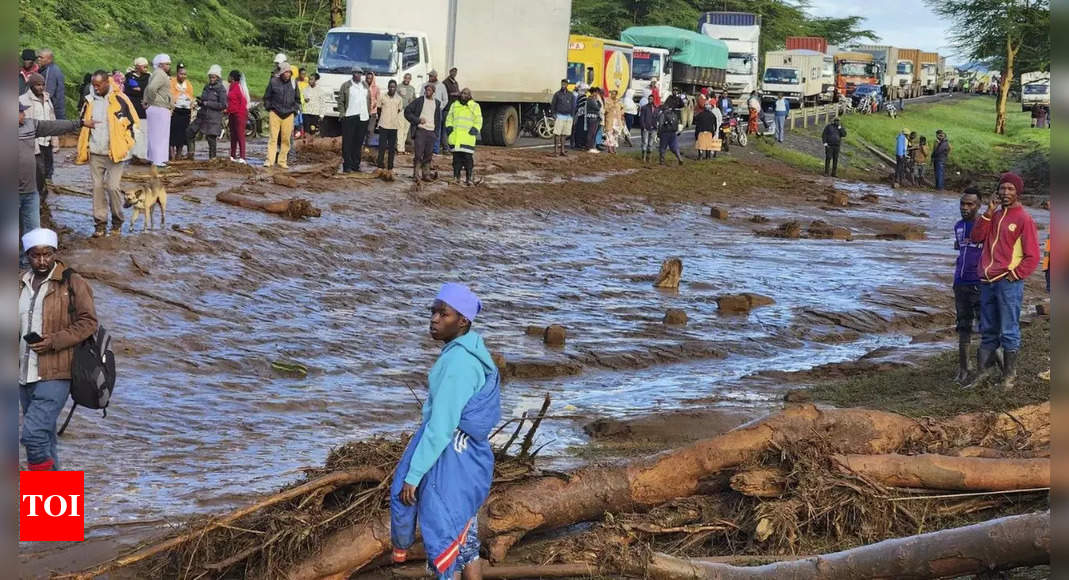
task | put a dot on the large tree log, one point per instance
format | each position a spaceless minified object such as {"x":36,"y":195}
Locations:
{"x":552,"y":502}
{"x":1000,"y":544}
{"x":295,"y":208}
{"x":954,"y":473}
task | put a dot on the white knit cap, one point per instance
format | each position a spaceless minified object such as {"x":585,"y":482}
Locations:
{"x":39,"y":237}
{"x":140,"y":61}
{"x":160,"y":59}
{"x":280,"y":57}
{"x":215,"y":70}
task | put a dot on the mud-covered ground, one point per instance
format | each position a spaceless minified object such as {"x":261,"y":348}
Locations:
{"x":213,"y":312}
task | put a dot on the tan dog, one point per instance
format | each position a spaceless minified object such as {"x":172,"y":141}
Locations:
{"x":145,"y":198}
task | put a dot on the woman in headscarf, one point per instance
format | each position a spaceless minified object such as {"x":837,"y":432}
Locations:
{"x":158,"y":105}
{"x":182,"y":97}
{"x":212,"y":103}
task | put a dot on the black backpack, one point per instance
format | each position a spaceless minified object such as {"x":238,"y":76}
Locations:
{"x":93,"y":365}
{"x":669,"y":122}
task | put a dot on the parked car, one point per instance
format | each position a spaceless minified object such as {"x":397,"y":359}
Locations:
{"x":870,"y":91}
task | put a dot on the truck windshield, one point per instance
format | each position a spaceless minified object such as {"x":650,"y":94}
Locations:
{"x":1036,"y":89}
{"x":575,"y":72}
{"x":781,"y":76}
{"x":828,"y":70}
{"x":645,"y":65}
{"x":343,"y":51}
{"x":857,"y":69}
{"x":740,"y":63}
{"x":904,"y":68}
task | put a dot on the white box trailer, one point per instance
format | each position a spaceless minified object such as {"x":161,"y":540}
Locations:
{"x":795,"y":74}
{"x":512,"y":54}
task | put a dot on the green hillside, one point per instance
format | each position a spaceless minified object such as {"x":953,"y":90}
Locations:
{"x":106,"y":34}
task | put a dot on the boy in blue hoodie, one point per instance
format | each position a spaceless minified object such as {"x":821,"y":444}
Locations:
{"x":445,"y":473}
{"x":966,"y":278}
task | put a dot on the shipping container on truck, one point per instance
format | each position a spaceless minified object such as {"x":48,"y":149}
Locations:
{"x":853,"y":69}
{"x":928,"y":63}
{"x":795,"y":74}
{"x":599,"y":62}
{"x":909,"y":70}
{"x":741,"y":31}
{"x":650,"y":64}
{"x":698,"y":61}
{"x":817,"y":43}
{"x":507,"y":73}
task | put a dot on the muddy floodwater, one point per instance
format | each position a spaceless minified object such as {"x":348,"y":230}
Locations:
{"x":201,"y":419}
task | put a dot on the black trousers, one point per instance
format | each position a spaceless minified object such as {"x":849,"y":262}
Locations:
{"x":465,"y":161}
{"x":44,"y":169}
{"x":387,"y":146}
{"x":831,"y":159}
{"x":353,"y":134}
{"x":900,"y":168}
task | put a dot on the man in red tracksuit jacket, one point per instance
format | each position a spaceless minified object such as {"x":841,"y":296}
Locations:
{"x":1011,"y":254}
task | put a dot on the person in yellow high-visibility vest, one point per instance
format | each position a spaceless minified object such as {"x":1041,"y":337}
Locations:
{"x":463,"y":124}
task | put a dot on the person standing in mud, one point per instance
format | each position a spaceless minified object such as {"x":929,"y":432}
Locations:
{"x":832,"y":138}
{"x":158,"y":106}
{"x":939,"y":158}
{"x":281,"y":102}
{"x":390,"y":113}
{"x":51,"y":325}
{"x":579,"y":128}
{"x":237,"y":107}
{"x":463,"y":123}
{"x":354,"y":105}
{"x":668,"y":132}
{"x":901,"y":150}
{"x":445,"y":473}
{"x":647,"y":123}
{"x":212,"y":103}
{"x":182,"y":99}
{"x":563,"y":107}
{"x":966,"y":278}
{"x":423,"y":113}
{"x":1010,"y":255}
{"x":594,"y":116}
{"x":407,"y":92}
{"x":134,"y":87}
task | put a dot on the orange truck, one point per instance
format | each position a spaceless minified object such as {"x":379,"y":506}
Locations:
{"x":853,"y":69}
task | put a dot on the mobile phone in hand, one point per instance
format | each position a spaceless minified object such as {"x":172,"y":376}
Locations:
{"x":32,"y":338}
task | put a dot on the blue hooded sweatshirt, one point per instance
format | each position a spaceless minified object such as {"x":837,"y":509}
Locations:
{"x":449,"y":459}
{"x":900,"y":145}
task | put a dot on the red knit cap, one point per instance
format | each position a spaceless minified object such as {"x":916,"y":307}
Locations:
{"x":1014,"y":179}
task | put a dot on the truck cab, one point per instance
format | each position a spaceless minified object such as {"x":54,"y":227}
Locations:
{"x":782,"y":80}
{"x":853,"y":70}
{"x":649,"y":64}
{"x":827,"y":80}
{"x":1035,"y":90}
{"x":903,"y":73}
{"x":389,"y":54}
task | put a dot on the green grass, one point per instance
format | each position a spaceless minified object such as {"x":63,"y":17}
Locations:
{"x":791,"y":157}
{"x":977,"y":151}
{"x":87,"y":35}
{"x":929,"y":389}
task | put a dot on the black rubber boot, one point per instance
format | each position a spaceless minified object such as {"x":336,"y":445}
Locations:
{"x":984,"y":359}
{"x":1009,"y":370}
{"x":963,"y":359}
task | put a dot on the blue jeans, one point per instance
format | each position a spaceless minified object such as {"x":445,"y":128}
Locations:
{"x":1000,"y":314}
{"x":781,"y":126}
{"x":29,"y":219}
{"x":940,"y":170}
{"x":41,"y":403}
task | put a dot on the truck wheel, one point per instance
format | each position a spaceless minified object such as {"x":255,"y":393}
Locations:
{"x":505,"y":128}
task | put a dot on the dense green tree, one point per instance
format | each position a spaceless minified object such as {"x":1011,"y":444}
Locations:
{"x":1006,"y":32}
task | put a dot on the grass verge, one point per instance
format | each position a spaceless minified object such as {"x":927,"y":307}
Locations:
{"x":928,"y":389}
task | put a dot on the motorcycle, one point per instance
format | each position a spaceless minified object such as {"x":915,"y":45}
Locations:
{"x":538,"y":122}
{"x":731,"y":132}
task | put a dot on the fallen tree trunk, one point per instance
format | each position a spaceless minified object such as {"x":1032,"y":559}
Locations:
{"x":553,"y":502}
{"x":950,"y":473}
{"x":295,"y":208}
{"x":366,"y":475}
{"x":1000,"y":544}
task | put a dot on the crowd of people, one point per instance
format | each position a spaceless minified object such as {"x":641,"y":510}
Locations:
{"x":912,"y":154}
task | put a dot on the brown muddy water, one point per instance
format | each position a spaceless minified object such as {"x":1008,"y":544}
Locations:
{"x":200,"y":419}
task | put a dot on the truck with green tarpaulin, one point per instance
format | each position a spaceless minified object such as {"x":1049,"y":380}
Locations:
{"x":697,"y":61}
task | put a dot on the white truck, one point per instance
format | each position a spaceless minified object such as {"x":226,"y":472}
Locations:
{"x":648,"y":63}
{"x":1035,"y":90}
{"x":741,"y":31}
{"x":512,"y":54}
{"x":795,"y":74}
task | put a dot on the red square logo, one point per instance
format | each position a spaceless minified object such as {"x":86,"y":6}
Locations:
{"x":51,"y":506}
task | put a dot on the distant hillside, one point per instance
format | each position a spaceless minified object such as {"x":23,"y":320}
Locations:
{"x":92,"y":34}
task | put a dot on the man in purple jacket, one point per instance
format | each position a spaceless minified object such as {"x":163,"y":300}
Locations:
{"x":966,"y":278}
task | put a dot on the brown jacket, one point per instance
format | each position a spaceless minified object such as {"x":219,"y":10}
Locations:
{"x":66,"y":333}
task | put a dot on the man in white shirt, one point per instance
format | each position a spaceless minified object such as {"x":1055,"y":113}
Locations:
{"x":354,"y":105}
{"x":41,"y":108}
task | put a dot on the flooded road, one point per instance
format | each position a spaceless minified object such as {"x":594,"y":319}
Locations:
{"x":200,"y":418}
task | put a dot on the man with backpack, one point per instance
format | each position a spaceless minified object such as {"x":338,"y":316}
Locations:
{"x":668,"y":132}
{"x":56,"y":314}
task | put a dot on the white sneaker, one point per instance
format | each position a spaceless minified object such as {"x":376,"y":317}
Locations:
{"x":593,"y":151}
{"x":242,"y":161}
{"x":233,"y":160}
